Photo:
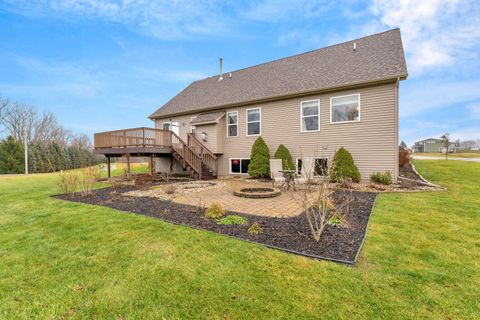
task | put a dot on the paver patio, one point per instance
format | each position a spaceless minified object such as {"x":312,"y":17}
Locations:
{"x":283,"y":205}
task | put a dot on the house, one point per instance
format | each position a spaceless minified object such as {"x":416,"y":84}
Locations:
{"x":344,"y":95}
{"x":434,"y":145}
{"x":428,"y":145}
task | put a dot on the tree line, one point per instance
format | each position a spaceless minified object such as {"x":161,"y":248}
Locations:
{"x":51,"y":147}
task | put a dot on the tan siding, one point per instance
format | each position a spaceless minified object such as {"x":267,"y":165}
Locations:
{"x":372,"y":141}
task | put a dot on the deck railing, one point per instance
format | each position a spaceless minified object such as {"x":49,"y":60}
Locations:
{"x":193,"y":153}
{"x":205,"y":154}
{"x":136,"y":137}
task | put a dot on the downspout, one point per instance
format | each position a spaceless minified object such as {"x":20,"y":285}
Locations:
{"x":396,"y":171}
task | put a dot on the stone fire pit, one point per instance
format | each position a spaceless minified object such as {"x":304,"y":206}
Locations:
{"x":257,"y":192}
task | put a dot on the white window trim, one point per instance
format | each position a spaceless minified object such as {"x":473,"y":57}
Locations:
{"x":359,"y":108}
{"x":230,"y":165}
{"x":259,"y":121}
{"x":192,"y":127}
{"x":301,"y":115}
{"x":168,"y":124}
{"x":228,"y":136}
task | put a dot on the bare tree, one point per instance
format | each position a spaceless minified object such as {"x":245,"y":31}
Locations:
{"x":23,"y":121}
{"x":4,"y":110}
{"x":446,"y":143}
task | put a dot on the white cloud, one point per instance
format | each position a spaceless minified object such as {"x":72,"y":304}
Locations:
{"x":436,"y":33}
{"x":474,"y":109}
{"x":163,"y":19}
{"x":428,"y":95}
{"x":275,"y":10}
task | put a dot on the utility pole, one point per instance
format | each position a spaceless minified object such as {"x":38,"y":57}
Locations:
{"x":25,"y":141}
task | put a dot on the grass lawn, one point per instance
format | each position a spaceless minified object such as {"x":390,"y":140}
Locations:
{"x":472,"y":154}
{"x":120,"y":169}
{"x":65,"y":260}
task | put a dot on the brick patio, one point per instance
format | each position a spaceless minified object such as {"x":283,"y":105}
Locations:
{"x":282,"y":206}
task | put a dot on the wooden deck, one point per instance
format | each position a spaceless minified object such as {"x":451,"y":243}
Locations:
{"x":193,"y":155}
{"x":135,"y":142}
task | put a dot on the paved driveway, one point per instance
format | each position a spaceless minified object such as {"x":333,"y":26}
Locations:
{"x":449,"y":158}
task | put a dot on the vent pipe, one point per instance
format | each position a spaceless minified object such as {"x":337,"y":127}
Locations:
{"x":221,"y":73}
{"x":354,"y":46}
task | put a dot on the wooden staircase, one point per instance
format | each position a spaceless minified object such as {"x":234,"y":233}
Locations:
{"x":197,"y":159}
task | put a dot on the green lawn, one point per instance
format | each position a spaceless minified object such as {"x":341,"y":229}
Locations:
{"x":67,"y":260}
{"x":120,"y":168}
{"x":472,"y":154}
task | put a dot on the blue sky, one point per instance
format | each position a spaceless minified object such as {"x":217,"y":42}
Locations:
{"x":101,"y":65}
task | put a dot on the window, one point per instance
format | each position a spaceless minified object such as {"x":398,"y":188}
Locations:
{"x":239,"y":166}
{"x":321,"y":167}
{"x":299,"y":166}
{"x":193,"y":128}
{"x":310,"y":115}
{"x":232,"y":124}
{"x":172,"y":126}
{"x":254,"y":122}
{"x":345,"y":108}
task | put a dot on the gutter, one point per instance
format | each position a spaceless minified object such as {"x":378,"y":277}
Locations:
{"x":282,"y":97}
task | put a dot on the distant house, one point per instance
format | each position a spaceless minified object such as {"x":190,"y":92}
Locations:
{"x":344,"y":95}
{"x":434,"y":145}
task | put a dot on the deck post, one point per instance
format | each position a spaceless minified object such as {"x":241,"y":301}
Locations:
{"x":152,"y":169}
{"x":128,"y":167}
{"x":108,"y":166}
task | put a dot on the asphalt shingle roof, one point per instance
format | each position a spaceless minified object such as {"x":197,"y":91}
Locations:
{"x":377,"y":57}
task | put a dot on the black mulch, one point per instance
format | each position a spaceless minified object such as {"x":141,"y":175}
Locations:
{"x":341,"y":243}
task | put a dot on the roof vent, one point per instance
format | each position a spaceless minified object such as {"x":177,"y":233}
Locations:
{"x":221,"y":73}
{"x":230,"y":75}
{"x":354,"y":46}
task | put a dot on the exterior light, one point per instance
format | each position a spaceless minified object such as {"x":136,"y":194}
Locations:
{"x":204,"y":136}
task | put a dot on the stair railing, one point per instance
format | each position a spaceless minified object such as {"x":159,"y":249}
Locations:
{"x":207,"y":156}
{"x":188,"y":155}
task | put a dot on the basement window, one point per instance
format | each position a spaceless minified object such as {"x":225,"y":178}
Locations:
{"x":345,"y":109}
{"x":321,"y":167}
{"x":239,"y":166}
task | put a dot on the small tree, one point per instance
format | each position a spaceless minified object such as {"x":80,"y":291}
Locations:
{"x":343,"y":167}
{"x":284,"y":154}
{"x":11,"y":156}
{"x":403,"y":146}
{"x":446,"y":142}
{"x":259,"y":160}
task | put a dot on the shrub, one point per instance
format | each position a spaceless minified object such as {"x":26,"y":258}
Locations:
{"x":335,"y":221}
{"x":214,"y":211}
{"x":169,"y":189}
{"x":259,"y":166}
{"x":68,"y":182}
{"x":284,"y":154}
{"x":403,"y":157}
{"x":255,"y":228}
{"x":87,"y":180}
{"x":233,"y":219}
{"x":343,"y":167}
{"x":384,"y":178}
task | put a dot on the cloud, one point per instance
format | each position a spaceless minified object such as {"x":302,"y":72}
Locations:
{"x":436,"y":33}
{"x":427,"y":95}
{"x":474,"y":109}
{"x":276,"y":10}
{"x":163,"y":19}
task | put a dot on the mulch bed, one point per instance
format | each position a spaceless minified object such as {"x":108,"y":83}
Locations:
{"x":338,"y":243}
